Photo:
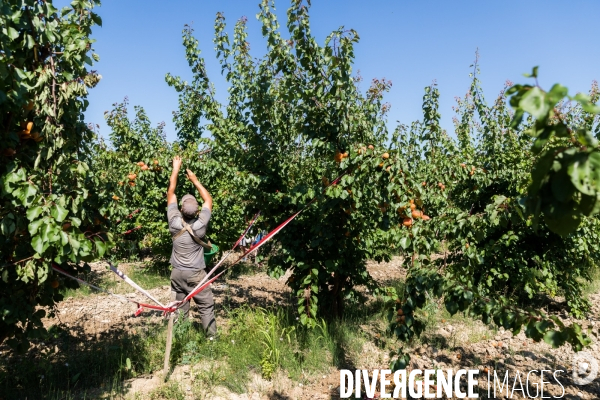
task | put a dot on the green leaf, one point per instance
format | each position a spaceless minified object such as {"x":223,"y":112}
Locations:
{"x":64,"y":239}
{"x":101,"y":247}
{"x":405,"y":242}
{"x":452,"y":307}
{"x":586,"y":103}
{"x":25,"y":194}
{"x":562,"y":188}
{"x":590,"y":205}
{"x":563,"y":224}
{"x":96,"y":18}
{"x":12,"y":33}
{"x":7,"y":226}
{"x":540,"y":170}
{"x":34,"y":212}
{"x":585,"y":173}
{"x":59,"y":213}
{"x":585,"y":137}
{"x":400,"y":363}
{"x":533,"y":74}
{"x":556,"y":94}
{"x":18,"y":176}
{"x":38,"y":244}
{"x":534,"y":102}
{"x":34,"y":226}
{"x":303,"y":319}
{"x":559,"y":130}
{"x":554,"y":338}
{"x":30,"y":41}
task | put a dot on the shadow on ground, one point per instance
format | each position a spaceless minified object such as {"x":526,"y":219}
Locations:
{"x":72,"y":364}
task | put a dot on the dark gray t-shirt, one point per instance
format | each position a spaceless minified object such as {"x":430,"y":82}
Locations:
{"x":187,"y":254}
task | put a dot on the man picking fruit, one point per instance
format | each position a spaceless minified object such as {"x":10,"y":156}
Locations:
{"x":187,"y":258}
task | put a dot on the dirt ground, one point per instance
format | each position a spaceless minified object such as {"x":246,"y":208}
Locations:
{"x":101,"y":312}
{"x":469,"y":345}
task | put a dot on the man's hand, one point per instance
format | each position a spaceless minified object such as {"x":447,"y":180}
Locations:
{"x":176,"y":163}
{"x":171,"y":198}
{"x":173,"y":304}
{"x":203,"y":192}
{"x":191,"y":176}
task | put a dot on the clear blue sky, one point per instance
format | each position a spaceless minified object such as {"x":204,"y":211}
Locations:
{"x":409,"y":42}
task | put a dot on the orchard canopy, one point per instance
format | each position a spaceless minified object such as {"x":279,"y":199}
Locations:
{"x":486,"y":217}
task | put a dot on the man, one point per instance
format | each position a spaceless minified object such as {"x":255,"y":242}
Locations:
{"x":261,"y":234}
{"x":187,"y":257}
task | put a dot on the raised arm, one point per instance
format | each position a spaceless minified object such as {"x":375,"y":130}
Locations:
{"x":203,"y":192}
{"x":171,"y":197}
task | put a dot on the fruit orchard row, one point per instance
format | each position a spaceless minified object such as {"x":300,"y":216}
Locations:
{"x":509,"y":200}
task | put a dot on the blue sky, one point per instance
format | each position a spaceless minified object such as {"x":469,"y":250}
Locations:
{"x":410,"y":43}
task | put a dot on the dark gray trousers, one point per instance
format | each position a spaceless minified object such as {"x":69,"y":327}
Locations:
{"x":182,"y":283}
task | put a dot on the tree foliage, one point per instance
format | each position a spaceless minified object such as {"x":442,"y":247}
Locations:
{"x":497,"y":258}
{"x":297,"y":116}
{"x":136,"y":164}
{"x":48,"y":195}
{"x":489,"y":219}
{"x":565,"y":181}
{"x":296,"y":119}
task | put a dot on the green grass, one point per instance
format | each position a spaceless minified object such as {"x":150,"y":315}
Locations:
{"x":171,"y":391}
{"x":594,"y":285}
{"x":86,"y":367}
{"x":144,"y":274}
{"x":251,"y":337}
